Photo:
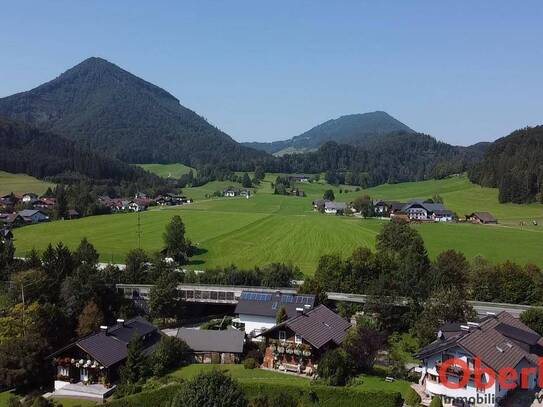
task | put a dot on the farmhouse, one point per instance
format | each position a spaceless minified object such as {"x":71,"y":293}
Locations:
{"x":33,"y":216}
{"x":499,"y":341}
{"x":297,"y":192}
{"x":257,"y":311}
{"x":96,"y":359}
{"x":11,"y":220}
{"x":423,"y":211}
{"x":212,"y":346}
{"x":482,"y":218}
{"x":298,"y":343}
{"x":335,"y":208}
{"x":299,"y":178}
{"x":318,"y":204}
{"x":230,"y":192}
{"x":387,"y":208}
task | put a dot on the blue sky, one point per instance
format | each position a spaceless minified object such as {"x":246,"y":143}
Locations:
{"x":462,"y":71}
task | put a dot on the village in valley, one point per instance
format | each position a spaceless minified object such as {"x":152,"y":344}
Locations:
{"x":271,"y":204}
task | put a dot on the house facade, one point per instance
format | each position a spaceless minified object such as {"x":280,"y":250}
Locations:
{"x":97,"y":358}
{"x":257,"y":311}
{"x":298,"y":343}
{"x":423,"y":211}
{"x":33,"y":216}
{"x":498,"y":341}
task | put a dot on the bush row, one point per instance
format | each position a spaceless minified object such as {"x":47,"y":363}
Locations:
{"x":155,"y":398}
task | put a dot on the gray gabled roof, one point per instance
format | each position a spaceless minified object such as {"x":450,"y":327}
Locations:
{"x":319,"y":326}
{"x":27,"y":213}
{"x":112,"y":347}
{"x":335,"y":205}
{"x":203,"y":340}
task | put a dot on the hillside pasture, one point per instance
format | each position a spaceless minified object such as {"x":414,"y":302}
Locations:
{"x":168,"y":170}
{"x":270,"y":228}
{"x":21,"y":183}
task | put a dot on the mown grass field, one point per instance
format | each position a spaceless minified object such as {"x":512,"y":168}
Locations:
{"x":238,"y":372}
{"x":269,"y":228}
{"x":167,"y":170}
{"x":66,"y":402}
{"x":21,"y":183}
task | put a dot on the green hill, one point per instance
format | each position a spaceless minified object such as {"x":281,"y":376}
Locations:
{"x":349,"y":129}
{"x":102,"y":106}
{"x":270,"y":228}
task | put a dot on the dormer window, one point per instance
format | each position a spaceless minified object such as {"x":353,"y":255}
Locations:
{"x":298,"y":338}
{"x":282,"y":335}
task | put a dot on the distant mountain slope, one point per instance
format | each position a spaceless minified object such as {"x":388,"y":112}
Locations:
{"x":100,"y":105}
{"x":390,"y":158}
{"x":514,"y":164}
{"x":25,"y":149}
{"x":352,"y":129}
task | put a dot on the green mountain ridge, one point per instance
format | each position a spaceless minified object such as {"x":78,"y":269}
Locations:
{"x":352,"y":129}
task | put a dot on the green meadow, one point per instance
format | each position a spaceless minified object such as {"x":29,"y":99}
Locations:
{"x":270,"y":228}
{"x":167,"y":170}
{"x":21,"y":183}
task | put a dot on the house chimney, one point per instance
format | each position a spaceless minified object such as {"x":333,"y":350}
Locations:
{"x":491,"y":314}
{"x":473,"y":324}
{"x":120,"y":322}
{"x":307,"y":307}
{"x":103,"y":328}
{"x":299,"y":311}
{"x":464,"y":327}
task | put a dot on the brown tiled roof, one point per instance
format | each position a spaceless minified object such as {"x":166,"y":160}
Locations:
{"x":485,"y":216}
{"x":499,"y":341}
{"x":318,"y":326}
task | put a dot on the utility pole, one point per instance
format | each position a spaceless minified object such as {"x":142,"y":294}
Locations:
{"x":139,"y":232}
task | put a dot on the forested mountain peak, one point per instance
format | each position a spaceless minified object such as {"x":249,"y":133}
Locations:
{"x":514,"y":165}
{"x":351,"y":129}
{"x":111,"y":110}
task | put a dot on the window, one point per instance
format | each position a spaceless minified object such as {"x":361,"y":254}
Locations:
{"x":282,"y":336}
{"x":64,"y":371}
{"x":298,"y":338}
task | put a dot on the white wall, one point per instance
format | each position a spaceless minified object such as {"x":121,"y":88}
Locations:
{"x":256,"y":322}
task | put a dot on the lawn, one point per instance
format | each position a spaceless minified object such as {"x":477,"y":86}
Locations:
{"x":4,"y":397}
{"x":21,"y":183}
{"x":168,"y":170}
{"x":243,"y":375}
{"x":238,"y":372}
{"x":66,"y":402}
{"x":270,"y":228}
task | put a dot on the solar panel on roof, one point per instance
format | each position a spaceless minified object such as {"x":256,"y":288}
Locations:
{"x":274,"y":305}
{"x":287,"y":299}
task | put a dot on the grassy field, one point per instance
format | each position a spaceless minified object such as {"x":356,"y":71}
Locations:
{"x":21,"y":183}
{"x":238,"y":372}
{"x":168,"y":170}
{"x":270,"y":228}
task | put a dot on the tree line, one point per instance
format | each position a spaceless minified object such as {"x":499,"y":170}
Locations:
{"x":513,"y":164}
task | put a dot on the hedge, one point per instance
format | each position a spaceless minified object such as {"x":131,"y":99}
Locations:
{"x":155,"y":398}
{"x":326,"y":396}
{"x":318,"y":395}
